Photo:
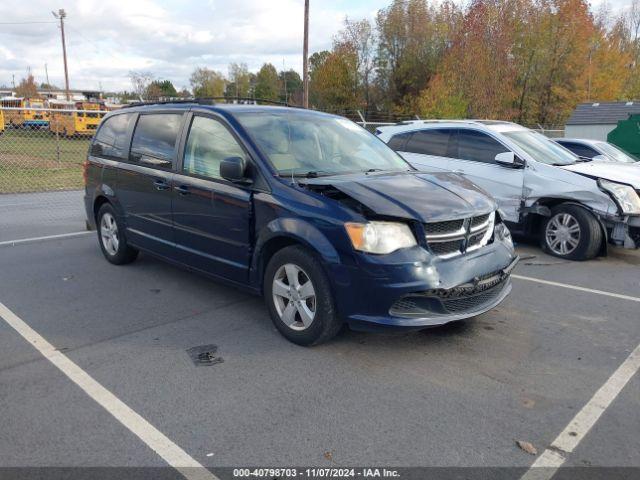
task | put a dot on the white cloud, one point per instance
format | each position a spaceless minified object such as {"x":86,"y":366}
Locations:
{"x":108,"y":38}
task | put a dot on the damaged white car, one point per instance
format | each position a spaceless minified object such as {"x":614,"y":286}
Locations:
{"x":576,"y":208}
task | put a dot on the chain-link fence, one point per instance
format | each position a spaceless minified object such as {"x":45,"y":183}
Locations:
{"x":41,"y":156}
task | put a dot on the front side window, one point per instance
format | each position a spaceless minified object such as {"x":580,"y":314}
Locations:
{"x":155,"y":136}
{"x":111,"y":139}
{"x":540,"y":148}
{"x":208,"y":144}
{"x":430,"y":142}
{"x":580,"y":150}
{"x":311,"y":144}
{"x":478,"y":146}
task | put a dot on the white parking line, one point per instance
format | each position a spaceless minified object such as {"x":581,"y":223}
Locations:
{"x":151,"y":436}
{"x":48,"y":237}
{"x":574,"y":287}
{"x":553,"y":457}
{"x":547,"y":464}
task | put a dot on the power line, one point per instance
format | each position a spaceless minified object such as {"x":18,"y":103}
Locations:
{"x":22,"y":23}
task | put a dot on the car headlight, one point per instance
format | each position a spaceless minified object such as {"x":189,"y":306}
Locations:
{"x":503,"y":233}
{"x":624,"y":195}
{"x":380,"y":237}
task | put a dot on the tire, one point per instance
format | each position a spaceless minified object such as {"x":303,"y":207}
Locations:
{"x":113,"y":244}
{"x":302,"y":320}
{"x":572,"y":233}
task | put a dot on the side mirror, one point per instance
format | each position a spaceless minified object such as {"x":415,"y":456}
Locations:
{"x":600,"y":158}
{"x":508,"y":159}
{"x":233,"y":169}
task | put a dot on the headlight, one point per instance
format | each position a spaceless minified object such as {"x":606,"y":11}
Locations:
{"x":380,"y":237}
{"x":503,"y":233}
{"x":624,"y":195}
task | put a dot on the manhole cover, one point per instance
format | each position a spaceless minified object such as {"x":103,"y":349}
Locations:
{"x":204,"y":355}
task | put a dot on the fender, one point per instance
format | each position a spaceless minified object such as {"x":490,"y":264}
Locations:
{"x":297,"y":230}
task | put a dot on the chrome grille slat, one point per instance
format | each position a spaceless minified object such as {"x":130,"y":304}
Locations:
{"x":447,"y":239}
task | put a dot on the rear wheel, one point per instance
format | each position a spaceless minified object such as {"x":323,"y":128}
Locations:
{"x":572,"y":232}
{"x":113,"y":243}
{"x":299,"y":297}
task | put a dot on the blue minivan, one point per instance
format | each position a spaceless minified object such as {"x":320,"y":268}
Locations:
{"x":308,"y":209}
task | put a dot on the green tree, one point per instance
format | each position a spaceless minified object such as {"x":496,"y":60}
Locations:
{"x":331,"y":82}
{"x":160,"y":88}
{"x":239,"y":81}
{"x":267,"y":83}
{"x":291,"y":90}
{"x":207,"y":83}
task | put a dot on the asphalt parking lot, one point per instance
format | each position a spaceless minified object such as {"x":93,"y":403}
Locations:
{"x":460,"y":395}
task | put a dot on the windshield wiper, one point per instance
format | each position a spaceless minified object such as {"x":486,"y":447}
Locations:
{"x":312,"y":174}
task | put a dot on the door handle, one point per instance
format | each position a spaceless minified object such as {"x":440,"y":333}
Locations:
{"x":161,"y":185}
{"x":458,"y":171}
{"x":182,"y":190}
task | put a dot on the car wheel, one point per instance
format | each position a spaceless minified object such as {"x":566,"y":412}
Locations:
{"x":113,"y":243}
{"x":299,"y":298}
{"x":572,"y":232}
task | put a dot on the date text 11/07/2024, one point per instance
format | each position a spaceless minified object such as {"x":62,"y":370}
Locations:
{"x":315,"y":473}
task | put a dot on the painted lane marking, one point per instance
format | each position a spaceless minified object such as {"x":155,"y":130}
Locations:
{"x":151,"y":436}
{"x":553,"y":457}
{"x":580,"y":289}
{"x":48,"y":237}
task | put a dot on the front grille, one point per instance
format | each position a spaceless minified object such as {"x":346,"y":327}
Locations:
{"x":455,"y":237}
{"x":446,"y":248}
{"x":449,"y":226}
{"x":467,"y":298}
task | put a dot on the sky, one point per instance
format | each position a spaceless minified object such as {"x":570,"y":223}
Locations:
{"x":106,"y":39}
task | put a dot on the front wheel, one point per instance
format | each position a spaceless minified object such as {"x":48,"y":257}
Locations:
{"x":113,"y":243}
{"x":572,"y":232}
{"x":299,"y":298}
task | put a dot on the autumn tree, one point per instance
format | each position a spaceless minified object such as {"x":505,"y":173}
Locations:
{"x":207,"y":83}
{"x":331,"y":80}
{"x":267,"y":83}
{"x":27,"y":87}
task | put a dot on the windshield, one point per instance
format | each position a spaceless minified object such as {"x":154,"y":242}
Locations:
{"x":615,"y":153}
{"x":540,"y":148}
{"x":299,"y":143}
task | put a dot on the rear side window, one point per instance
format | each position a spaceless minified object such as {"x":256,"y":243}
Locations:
{"x":478,"y":146}
{"x":399,"y":141}
{"x":430,"y":142}
{"x":111,"y":138}
{"x":155,"y":136}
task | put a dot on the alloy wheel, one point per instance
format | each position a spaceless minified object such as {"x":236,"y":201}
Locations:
{"x":562,"y":234}
{"x":109,"y":234}
{"x":294,"y":297}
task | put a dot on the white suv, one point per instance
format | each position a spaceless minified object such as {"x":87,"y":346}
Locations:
{"x":542,"y":188}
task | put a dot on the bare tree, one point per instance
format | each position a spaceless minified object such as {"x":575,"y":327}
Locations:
{"x":140,"y":82}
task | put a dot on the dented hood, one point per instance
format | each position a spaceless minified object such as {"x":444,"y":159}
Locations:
{"x":425,"y":197}
{"x":626,"y":173}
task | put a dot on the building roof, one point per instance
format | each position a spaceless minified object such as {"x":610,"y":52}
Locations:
{"x":602,"y":113}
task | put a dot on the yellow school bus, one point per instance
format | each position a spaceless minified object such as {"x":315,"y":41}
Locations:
{"x":25,"y":117}
{"x":69,"y":123}
{"x":1,"y":122}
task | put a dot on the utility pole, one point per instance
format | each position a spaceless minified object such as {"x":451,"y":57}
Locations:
{"x":305,"y":59}
{"x":61,"y":16}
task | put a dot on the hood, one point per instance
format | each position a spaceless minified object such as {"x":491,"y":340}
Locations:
{"x":626,"y":173}
{"x":426,"y":197}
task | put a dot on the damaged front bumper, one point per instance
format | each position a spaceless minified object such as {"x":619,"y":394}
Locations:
{"x":414,"y":289}
{"x":623,"y":232}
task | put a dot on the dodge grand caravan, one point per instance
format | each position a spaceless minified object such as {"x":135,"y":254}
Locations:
{"x":308,"y":209}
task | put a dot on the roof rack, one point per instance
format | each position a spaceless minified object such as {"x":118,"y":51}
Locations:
{"x":211,"y":101}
